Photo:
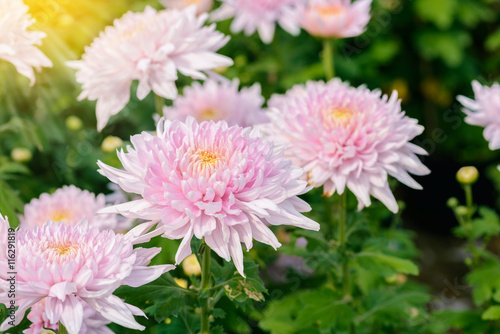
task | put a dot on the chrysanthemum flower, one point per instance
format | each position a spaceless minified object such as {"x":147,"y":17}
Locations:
{"x":68,"y":205}
{"x":484,"y":111}
{"x":335,"y":18}
{"x":218,"y":183}
{"x":4,"y":235}
{"x":72,"y":266}
{"x":220,"y":101}
{"x":17,"y":44}
{"x":93,"y":322}
{"x":260,"y":15}
{"x":149,"y":47}
{"x":202,"y":6}
{"x":344,"y":136}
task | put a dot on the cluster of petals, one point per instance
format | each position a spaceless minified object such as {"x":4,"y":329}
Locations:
{"x":150,"y":47}
{"x":93,"y":321}
{"x":217,"y":101}
{"x":17,"y":43}
{"x":484,"y":111}
{"x":73,"y":266}
{"x":335,"y":18}
{"x":69,"y":205}
{"x":4,"y":235}
{"x":261,"y":16}
{"x":218,"y":183}
{"x":345,"y":136}
{"x":202,"y":6}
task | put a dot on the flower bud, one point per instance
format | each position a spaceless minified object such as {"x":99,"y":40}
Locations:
{"x":452,"y":202}
{"x":181,"y":282}
{"x":191,"y":266}
{"x":20,"y":154}
{"x":74,"y":123}
{"x":462,"y":210}
{"x":111,"y":143}
{"x":467,"y":175}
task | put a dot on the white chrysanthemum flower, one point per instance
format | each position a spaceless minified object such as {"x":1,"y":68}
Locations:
{"x":149,"y":47}
{"x":17,"y":44}
{"x":202,"y":6}
{"x":260,"y":15}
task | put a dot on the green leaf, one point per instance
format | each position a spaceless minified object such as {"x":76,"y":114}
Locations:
{"x":400,"y":265}
{"x":240,"y":288}
{"x":486,"y":280}
{"x":492,"y":42}
{"x":10,"y":203}
{"x":491,"y":313}
{"x":448,"y":46}
{"x":162,"y":298}
{"x":440,"y":12}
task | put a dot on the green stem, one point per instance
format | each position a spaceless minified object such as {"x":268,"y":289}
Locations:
{"x":328,"y":62}
{"x":159,"y":103}
{"x":346,"y":281}
{"x":205,"y":285}
{"x":62,"y":329}
{"x":469,"y":203}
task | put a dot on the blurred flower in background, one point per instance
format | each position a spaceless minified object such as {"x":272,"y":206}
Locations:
{"x":149,"y":47}
{"x":335,"y":18}
{"x":17,"y":43}
{"x":68,"y":205}
{"x":260,"y":15}
{"x":202,"y":6}
{"x":217,"y":101}
{"x":484,"y":111}
{"x":347,"y":137}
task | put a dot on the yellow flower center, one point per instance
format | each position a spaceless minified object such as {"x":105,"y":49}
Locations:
{"x":205,"y":162}
{"x":61,"y":216}
{"x":329,"y":10}
{"x":62,"y":248}
{"x":208,"y":115}
{"x":340,"y":116}
{"x":206,"y":157}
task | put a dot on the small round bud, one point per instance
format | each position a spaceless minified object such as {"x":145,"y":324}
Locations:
{"x":462,"y":210}
{"x":191,"y":266}
{"x":168,"y":321}
{"x":111,"y":143}
{"x":20,"y":154}
{"x":452,"y":202}
{"x":467,"y":175}
{"x":74,"y":123}
{"x":181,"y":282}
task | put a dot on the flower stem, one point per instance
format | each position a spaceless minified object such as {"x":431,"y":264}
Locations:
{"x":469,"y":203}
{"x":328,"y":62}
{"x":159,"y":103}
{"x":62,"y":329}
{"x":205,"y":285}
{"x":346,"y":282}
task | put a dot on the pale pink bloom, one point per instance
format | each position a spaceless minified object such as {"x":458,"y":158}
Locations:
{"x":74,"y":266}
{"x":69,"y":205}
{"x":149,"y":47}
{"x":335,"y":18}
{"x":4,"y":235}
{"x":218,"y":183}
{"x":484,"y":111}
{"x":202,"y":6}
{"x":345,"y":136}
{"x":93,"y":322}
{"x":220,"y":101}
{"x":260,"y":15}
{"x":17,"y":43}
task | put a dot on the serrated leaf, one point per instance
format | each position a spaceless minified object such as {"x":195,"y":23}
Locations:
{"x":400,"y":265}
{"x":218,"y":313}
{"x":486,"y":280}
{"x":448,"y":46}
{"x":240,"y":288}
{"x":440,"y":12}
{"x":491,"y":313}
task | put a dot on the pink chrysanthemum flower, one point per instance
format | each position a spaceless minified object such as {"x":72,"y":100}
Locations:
{"x":335,"y":18}
{"x":344,"y":136}
{"x":4,"y":235}
{"x":260,"y":15}
{"x":202,"y":6}
{"x":93,"y":322}
{"x":149,"y":47}
{"x":219,"y":183}
{"x":68,"y":205}
{"x":484,"y":111}
{"x":214,"y":101}
{"x":72,"y":266}
{"x":17,"y":43}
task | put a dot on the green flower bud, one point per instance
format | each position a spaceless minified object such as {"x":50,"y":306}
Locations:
{"x":20,"y":154}
{"x":74,"y":123}
{"x":467,"y":175}
{"x":452,"y":202}
{"x":461,"y":210}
